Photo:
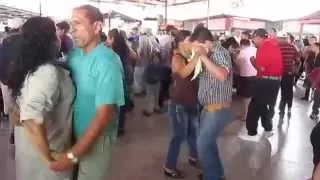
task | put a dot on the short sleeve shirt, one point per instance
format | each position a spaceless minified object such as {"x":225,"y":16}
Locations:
{"x":212,"y":90}
{"x":98,"y":77}
{"x":46,"y":97}
{"x":246,"y":67}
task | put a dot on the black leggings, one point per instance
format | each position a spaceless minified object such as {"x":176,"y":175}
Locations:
{"x":165,"y":83}
{"x":315,"y":141}
{"x":1,"y":103}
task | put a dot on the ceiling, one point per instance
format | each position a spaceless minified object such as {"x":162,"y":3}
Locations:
{"x":151,"y":2}
{"x":115,"y":14}
{"x":7,"y":12}
{"x":315,"y":15}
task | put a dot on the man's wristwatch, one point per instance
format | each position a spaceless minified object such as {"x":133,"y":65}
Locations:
{"x":72,"y":157}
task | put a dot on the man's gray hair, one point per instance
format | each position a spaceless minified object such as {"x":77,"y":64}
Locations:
{"x":93,"y":13}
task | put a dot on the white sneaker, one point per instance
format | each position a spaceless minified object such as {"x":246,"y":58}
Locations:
{"x":268,"y":134}
{"x":246,"y":137}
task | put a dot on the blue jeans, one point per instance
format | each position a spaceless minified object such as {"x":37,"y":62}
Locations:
{"x":184,"y":120}
{"x":211,"y":125}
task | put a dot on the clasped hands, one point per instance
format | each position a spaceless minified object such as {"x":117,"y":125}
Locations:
{"x":59,"y":162}
{"x":200,"y":50}
{"x":186,"y":49}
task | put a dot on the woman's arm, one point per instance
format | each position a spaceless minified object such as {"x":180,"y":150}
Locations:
{"x":186,"y":48}
{"x":39,"y":98}
{"x":316,"y":173}
{"x":253,"y":62}
{"x":237,"y":63}
{"x":133,"y":55}
{"x":36,"y":134}
{"x":38,"y":138}
{"x":183,"y":70}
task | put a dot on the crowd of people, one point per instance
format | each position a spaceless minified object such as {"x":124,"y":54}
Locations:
{"x":67,"y":97}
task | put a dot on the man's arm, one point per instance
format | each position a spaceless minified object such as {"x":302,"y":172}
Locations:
{"x":102,"y":119}
{"x":220,"y":66}
{"x":109,"y":96}
{"x":263,"y":57}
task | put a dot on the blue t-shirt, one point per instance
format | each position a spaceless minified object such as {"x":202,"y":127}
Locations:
{"x":98,"y":77}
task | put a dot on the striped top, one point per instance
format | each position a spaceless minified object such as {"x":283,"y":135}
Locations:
{"x":290,"y":57}
{"x":212,"y":90}
{"x":148,"y":47}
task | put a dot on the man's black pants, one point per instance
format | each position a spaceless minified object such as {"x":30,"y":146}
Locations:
{"x":287,"y":82}
{"x":262,"y":105}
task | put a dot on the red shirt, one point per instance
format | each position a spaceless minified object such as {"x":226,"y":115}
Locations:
{"x":269,"y":58}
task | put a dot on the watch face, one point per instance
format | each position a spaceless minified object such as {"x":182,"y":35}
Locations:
{"x":72,"y":157}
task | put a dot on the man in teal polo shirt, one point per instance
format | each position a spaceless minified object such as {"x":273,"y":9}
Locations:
{"x":97,"y":73}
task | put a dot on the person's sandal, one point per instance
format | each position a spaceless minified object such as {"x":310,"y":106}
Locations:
{"x":146,"y":114}
{"x":175,"y":174}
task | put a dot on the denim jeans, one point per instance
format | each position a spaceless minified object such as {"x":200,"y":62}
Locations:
{"x":184,"y":121}
{"x":126,"y":108}
{"x":211,"y":125}
{"x":7,"y":98}
{"x":153,"y":91}
{"x":139,"y":80}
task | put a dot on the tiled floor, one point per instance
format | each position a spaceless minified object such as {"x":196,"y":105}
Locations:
{"x":141,"y":152}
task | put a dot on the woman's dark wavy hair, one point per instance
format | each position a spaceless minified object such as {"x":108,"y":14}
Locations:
{"x":39,"y":45}
{"x":180,"y":36}
{"x":119,"y":44}
{"x":201,"y":34}
{"x":231,"y":41}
